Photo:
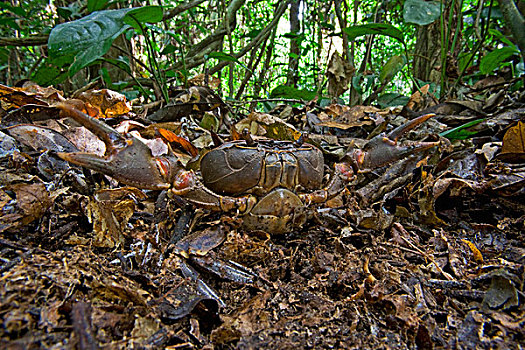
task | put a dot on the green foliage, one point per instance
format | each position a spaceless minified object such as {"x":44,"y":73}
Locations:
{"x":181,"y":47}
{"x":391,"y":68}
{"x":421,"y":12}
{"x":495,"y":58}
{"x":375,"y":28}
{"x":289,"y":92}
{"x":461,"y":132}
{"x":81,"y":42}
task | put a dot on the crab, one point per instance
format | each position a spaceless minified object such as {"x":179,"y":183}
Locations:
{"x":269,"y":183}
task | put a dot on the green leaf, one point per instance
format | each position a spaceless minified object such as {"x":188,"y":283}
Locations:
{"x":252,"y":34}
{"x":49,"y":73}
{"x":17,"y":10}
{"x":64,"y":12}
{"x":392,"y":99}
{"x":9,"y":21}
{"x":498,"y":35}
{"x":147,"y":14}
{"x":96,"y":5}
{"x":391,"y":68}
{"x":221,"y":56}
{"x":494,"y":59}
{"x":284,"y":91}
{"x":169,"y":49}
{"x":374,"y":28}
{"x":83,"y":41}
{"x":461,"y":132}
{"x":121,"y":62}
{"x":421,"y":12}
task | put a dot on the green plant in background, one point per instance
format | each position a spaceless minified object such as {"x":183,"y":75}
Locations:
{"x":78,"y":44}
{"x":246,"y":44}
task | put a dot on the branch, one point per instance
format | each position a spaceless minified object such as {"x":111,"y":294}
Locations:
{"x":195,"y":56}
{"x":29,"y":41}
{"x":515,"y":21}
{"x":181,"y":8}
{"x":259,"y":38}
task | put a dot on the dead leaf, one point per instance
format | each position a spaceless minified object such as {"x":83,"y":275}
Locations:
{"x":108,"y":103}
{"x":478,"y":257}
{"x":339,"y":73}
{"x":513,"y":149}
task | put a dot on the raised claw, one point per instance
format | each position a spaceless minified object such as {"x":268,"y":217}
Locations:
{"x":128,"y":160}
{"x":383,"y":149}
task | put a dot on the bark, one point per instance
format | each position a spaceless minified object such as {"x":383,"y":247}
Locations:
{"x":516,"y":22}
{"x":433,"y":53}
{"x":29,"y":41}
{"x":181,"y":8}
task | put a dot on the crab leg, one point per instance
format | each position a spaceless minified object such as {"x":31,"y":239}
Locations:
{"x":379,"y":151}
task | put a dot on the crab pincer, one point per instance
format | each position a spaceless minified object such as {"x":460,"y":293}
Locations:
{"x":383,"y":149}
{"x":127,"y":159}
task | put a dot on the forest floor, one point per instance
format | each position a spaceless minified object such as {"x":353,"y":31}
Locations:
{"x":428,"y":256}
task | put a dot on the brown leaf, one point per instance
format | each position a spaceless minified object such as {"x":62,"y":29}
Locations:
{"x":339,"y":73}
{"x":513,"y":149}
{"x":13,"y":98}
{"x":109,"y":103}
{"x":180,"y":141}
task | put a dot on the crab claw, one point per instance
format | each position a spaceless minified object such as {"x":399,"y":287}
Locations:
{"x":128,"y":160}
{"x":383,"y":149}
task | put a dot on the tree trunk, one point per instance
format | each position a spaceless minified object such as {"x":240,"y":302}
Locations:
{"x":437,"y":47}
{"x":295,"y":49}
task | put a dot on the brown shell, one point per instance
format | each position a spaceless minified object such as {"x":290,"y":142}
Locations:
{"x":235,"y":168}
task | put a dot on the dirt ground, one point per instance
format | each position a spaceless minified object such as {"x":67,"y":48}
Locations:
{"x":429,"y":254}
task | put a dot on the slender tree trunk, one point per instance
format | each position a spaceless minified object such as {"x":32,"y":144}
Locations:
{"x":437,"y":47}
{"x":295,"y":49}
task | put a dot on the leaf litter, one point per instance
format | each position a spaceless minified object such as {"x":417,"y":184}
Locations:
{"x":427,"y":253}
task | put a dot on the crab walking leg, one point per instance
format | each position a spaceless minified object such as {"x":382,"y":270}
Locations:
{"x":379,"y":151}
{"x":187,"y":185}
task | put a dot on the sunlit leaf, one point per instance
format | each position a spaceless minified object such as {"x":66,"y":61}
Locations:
{"x":374,"y":28}
{"x":391,"y":68}
{"x":421,"y":12}
{"x":147,"y":14}
{"x":494,"y":59}
{"x":461,"y":132}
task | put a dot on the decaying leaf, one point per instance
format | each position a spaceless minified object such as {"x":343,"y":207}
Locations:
{"x":108,"y":103}
{"x":109,"y":211}
{"x":339,"y":73}
{"x":478,"y":257}
{"x":513,"y":149}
